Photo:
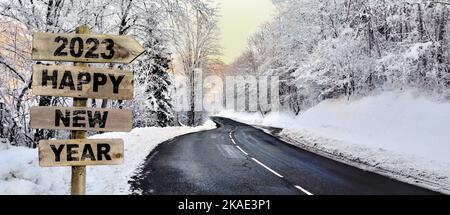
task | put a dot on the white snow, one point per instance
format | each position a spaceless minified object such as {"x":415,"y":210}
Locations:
{"x":20,"y":172}
{"x":402,"y":134}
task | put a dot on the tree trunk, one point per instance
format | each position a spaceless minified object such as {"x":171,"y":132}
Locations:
{"x":192,"y":100}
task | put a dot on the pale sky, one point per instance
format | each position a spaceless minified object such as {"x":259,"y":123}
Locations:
{"x":239,"y":20}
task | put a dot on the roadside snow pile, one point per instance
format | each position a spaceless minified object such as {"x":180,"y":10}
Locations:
{"x":400,"y":134}
{"x":20,"y":172}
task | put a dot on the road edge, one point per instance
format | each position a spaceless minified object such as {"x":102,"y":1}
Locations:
{"x":409,"y":179}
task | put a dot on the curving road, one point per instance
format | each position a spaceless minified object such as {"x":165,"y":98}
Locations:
{"x":238,"y":159}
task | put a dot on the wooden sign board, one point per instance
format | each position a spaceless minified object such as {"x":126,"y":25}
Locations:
{"x":82,"y":82}
{"x":81,"y":119}
{"x":85,"y":48}
{"x":57,"y":153}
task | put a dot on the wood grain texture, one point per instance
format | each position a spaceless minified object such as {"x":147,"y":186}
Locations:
{"x":83,"y":152}
{"x":78,"y":176}
{"x":46,"y":118}
{"x":89,"y":89}
{"x":126,"y":48}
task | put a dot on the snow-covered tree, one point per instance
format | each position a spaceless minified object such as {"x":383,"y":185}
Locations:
{"x":19,"y":19}
{"x":327,"y":49}
{"x":154,"y":106}
{"x":193,"y":29}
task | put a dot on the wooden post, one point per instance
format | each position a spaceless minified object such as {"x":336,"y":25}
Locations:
{"x":84,"y":48}
{"x":79,"y":172}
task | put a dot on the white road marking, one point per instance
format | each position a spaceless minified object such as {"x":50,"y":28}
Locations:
{"x":232,"y":139}
{"x":303,"y":190}
{"x":266,"y":167}
{"x":229,"y":151}
{"x":271,"y":170}
{"x":242,"y":150}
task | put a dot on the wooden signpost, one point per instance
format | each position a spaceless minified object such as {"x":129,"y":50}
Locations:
{"x":53,"y":153}
{"x":81,"y":83}
{"x":81,"y":119}
{"x":85,"y":48}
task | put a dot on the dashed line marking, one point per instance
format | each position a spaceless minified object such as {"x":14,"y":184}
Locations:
{"x":232,"y":139}
{"x":303,"y":190}
{"x":271,"y":170}
{"x":266,"y":167}
{"x":246,"y":154}
{"x":257,"y":161}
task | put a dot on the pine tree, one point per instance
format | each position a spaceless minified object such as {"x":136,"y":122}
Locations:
{"x":155,"y":82}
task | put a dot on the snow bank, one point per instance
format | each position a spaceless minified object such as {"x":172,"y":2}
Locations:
{"x":404,"y":135}
{"x":20,"y":172}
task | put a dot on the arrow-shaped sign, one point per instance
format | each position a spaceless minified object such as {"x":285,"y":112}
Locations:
{"x":85,"y":48}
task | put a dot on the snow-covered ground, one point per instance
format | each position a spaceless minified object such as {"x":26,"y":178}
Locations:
{"x":20,"y":172}
{"x":404,"y":135}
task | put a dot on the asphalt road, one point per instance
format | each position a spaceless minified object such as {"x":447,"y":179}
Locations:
{"x":238,"y":159}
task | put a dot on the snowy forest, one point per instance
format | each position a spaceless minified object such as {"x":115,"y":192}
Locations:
{"x":319,"y":49}
{"x":169,"y":30}
{"x":317,"y":97}
{"x":324,"y":49}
